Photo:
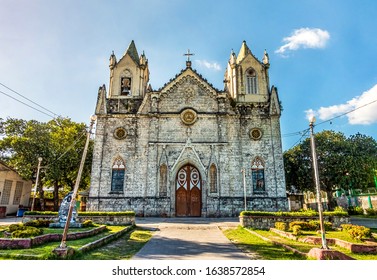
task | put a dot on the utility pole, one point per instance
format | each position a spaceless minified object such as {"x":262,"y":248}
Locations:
{"x":73,"y":200}
{"x":244,"y":187}
{"x":36,"y":182}
{"x":316,"y":179}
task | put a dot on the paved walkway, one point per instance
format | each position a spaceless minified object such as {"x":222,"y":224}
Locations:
{"x":188,"y":238}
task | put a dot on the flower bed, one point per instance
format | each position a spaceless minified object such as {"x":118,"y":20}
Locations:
{"x":24,"y":243}
{"x":104,"y":218}
{"x":353,"y":247}
{"x":267,"y":220}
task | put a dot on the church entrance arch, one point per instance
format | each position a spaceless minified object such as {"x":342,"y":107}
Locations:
{"x":188,"y":192}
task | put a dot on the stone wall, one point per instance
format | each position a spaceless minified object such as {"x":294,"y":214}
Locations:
{"x":104,"y":220}
{"x":267,"y":222}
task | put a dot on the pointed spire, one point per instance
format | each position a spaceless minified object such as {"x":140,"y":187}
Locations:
{"x":132,"y":52}
{"x":244,"y":51}
{"x":232,"y":59}
{"x":113,"y":61}
{"x":143,"y":59}
{"x":266,"y":60}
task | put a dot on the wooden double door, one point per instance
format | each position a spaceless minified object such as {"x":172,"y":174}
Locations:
{"x":188,"y":192}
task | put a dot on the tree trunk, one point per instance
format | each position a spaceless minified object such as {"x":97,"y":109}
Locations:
{"x":41,"y":196}
{"x":56,"y":196}
{"x":331,"y":204}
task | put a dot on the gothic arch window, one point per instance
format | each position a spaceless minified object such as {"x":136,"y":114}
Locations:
{"x":257,"y":174}
{"x":117,"y":175}
{"x":163,"y":180}
{"x":213,"y":178}
{"x":251,"y":82}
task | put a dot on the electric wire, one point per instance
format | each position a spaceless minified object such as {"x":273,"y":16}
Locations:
{"x":28,"y":99}
{"x":27,"y":105}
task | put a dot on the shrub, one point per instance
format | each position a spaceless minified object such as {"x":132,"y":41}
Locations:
{"x":370,"y":212}
{"x":306,"y":213}
{"x":357,"y":232}
{"x":360,"y":232}
{"x":27,"y":231}
{"x":38,"y":223}
{"x":316,"y":225}
{"x":296,"y":230}
{"x":281,"y":226}
{"x":14,"y":227}
{"x":355,"y":210}
{"x":346,"y":227}
{"x":88,"y":223}
{"x":303,"y":225}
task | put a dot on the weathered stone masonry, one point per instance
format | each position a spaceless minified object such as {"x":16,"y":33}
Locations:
{"x":179,"y":150}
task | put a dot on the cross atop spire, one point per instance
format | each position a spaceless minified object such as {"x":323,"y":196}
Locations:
{"x":188,"y":54}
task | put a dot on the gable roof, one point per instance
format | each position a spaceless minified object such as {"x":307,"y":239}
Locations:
{"x":185,"y":72}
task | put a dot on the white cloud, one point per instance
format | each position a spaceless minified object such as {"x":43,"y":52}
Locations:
{"x":210,"y":65}
{"x":363,"y":109}
{"x":307,"y":38}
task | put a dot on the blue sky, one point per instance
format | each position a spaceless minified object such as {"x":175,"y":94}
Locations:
{"x":323,"y":54}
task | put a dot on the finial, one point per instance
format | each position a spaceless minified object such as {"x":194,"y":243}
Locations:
{"x":188,"y":54}
{"x":266,"y":60}
{"x":113,"y":60}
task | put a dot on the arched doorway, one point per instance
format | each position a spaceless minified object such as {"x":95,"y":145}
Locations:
{"x":188,"y":192}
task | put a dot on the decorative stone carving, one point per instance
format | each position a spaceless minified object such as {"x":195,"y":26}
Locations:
{"x":255,"y":134}
{"x":120,"y":133}
{"x":189,"y":117}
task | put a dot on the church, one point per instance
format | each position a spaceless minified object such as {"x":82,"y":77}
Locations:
{"x":188,"y":149}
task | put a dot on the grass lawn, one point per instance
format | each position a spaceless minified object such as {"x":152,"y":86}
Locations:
{"x":263,"y":250}
{"x":44,"y":251}
{"x":121,"y":249}
{"x":305,"y":248}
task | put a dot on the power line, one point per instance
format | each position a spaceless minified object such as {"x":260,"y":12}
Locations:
{"x":346,"y":113}
{"x":27,"y":104}
{"x":304,"y":132}
{"x":28,"y":99}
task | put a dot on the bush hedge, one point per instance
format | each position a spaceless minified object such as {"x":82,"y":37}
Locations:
{"x":306,"y":213}
{"x":296,"y":230}
{"x":281,"y":226}
{"x":27,"y":231}
{"x":124,"y":213}
{"x":38,"y":223}
{"x":357,"y":232}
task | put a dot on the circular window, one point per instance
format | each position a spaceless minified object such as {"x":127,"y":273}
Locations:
{"x":120,"y":133}
{"x":255,"y":133}
{"x":188,"y":116}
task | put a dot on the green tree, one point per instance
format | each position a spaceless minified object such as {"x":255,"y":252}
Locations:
{"x":342,"y":162}
{"x":60,"y":142}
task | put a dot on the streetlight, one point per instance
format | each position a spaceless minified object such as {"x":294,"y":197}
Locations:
{"x":73,"y":200}
{"x":36,"y":182}
{"x":244,"y":187}
{"x":316,"y":179}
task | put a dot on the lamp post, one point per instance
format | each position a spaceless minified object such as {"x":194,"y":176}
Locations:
{"x":36,"y":182}
{"x":244,"y":186}
{"x":316,"y":179}
{"x":73,"y":200}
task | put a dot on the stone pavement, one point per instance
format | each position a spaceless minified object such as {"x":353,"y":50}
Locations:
{"x":188,"y":239}
{"x":10,"y":220}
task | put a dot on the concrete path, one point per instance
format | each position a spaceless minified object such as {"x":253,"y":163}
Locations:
{"x":188,"y":239}
{"x":370,"y":223}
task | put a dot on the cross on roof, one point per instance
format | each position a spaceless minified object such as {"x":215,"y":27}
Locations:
{"x":188,"y":54}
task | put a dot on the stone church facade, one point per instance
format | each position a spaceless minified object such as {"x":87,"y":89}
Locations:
{"x":188,"y":149}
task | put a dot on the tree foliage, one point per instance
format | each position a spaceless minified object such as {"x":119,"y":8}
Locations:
{"x":343,"y":163}
{"x":60,"y":143}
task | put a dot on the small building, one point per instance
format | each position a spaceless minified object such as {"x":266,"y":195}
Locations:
{"x":14,"y":191}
